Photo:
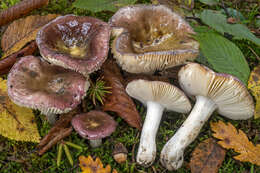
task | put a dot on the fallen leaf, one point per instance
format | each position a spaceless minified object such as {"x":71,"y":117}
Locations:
{"x":207,"y":157}
{"x":16,"y":122}
{"x":254,"y":87}
{"x":88,"y":165}
{"x":118,"y":101}
{"x":231,"y":138}
{"x":20,"y":9}
{"x":22,"y":31}
{"x":7,"y":63}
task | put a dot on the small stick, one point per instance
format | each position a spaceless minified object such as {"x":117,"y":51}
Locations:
{"x":7,"y":63}
{"x":63,"y":133}
{"x":20,"y":9}
{"x":62,"y":123}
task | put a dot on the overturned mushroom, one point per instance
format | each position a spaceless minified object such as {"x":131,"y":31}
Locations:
{"x":157,"y":96}
{"x":94,"y":126}
{"x":150,"y":38}
{"x":213,"y":91}
{"x":79,"y":43}
{"x":36,"y":84}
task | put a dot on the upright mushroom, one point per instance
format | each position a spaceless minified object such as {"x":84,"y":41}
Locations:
{"x":213,"y":91}
{"x":157,"y":96}
{"x":79,"y":43}
{"x":150,"y":38}
{"x":94,"y":126}
{"x":36,"y":84}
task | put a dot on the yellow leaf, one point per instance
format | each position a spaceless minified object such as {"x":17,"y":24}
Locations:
{"x":254,"y":87}
{"x":22,"y":31}
{"x":16,"y":122}
{"x":236,"y":140}
{"x":88,"y":165}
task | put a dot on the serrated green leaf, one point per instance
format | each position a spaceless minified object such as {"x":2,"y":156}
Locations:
{"x":223,"y":55}
{"x":209,"y":2}
{"x":102,"y":5}
{"x":218,"y":21}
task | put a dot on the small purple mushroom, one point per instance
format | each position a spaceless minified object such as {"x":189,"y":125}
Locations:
{"x":79,"y":43}
{"x":94,"y":126}
{"x":36,"y":84}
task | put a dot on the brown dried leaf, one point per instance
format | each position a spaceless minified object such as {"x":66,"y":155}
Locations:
{"x":22,"y":31}
{"x":88,"y":165}
{"x":231,"y":138}
{"x":207,"y":157}
{"x":118,"y":101}
{"x":7,"y":63}
{"x":16,"y":122}
{"x":20,"y":9}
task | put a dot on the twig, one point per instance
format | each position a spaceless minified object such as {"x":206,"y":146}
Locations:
{"x":63,"y":133}
{"x":133,"y":149}
{"x":252,"y":50}
{"x":7,"y":63}
{"x":20,"y":9}
{"x":63,"y":122}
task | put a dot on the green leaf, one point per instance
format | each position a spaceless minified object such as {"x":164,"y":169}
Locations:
{"x":102,"y":5}
{"x":209,"y":2}
{"x":217,"y":21}
{"x":234,"y":13}
{"x":223,"y":55}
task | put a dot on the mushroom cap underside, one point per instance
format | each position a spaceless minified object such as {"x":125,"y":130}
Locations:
{"x":163,"y":93}
{"x":231,"y":96}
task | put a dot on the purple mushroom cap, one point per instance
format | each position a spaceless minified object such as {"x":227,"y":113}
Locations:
{"x":94,"y":124}
{"x":79,"y":43}
{"x":36,"y":84}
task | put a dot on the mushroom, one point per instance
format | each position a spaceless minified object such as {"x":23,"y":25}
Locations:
{"x":36,"y":84}
{"x":150,"y":38}
{"x":79,"y":43}
{"x":213,"y":91}
{"x":157,"y":96}
{"x":94,"y":126}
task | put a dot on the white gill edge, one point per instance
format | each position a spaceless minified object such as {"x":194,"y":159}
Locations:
{"x":147,"y":147}
{"x":172,"y":152}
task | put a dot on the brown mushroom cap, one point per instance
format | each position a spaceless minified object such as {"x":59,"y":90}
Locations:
{"x":36,"y":84}
{"x":229,"y":93}
{"x":151,"y":37}
{"x":94,"y":124}
{"x":79,"y":43}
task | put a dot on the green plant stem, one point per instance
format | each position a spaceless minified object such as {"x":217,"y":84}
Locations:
{"x":59,"y":154}
{"x":67,"y":152}
{"x":73,"y":145}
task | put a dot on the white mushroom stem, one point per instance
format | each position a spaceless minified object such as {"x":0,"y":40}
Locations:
{"x":94,"y":143}
{"x":172,"y":153}
{"x":147,"y":147}
{"x":51,"y":118}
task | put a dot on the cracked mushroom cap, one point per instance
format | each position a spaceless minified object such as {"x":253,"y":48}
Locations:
{"x":163,"y":93}
{"x":229,"y":93}
{"x":36,"y":84}
{"x":94,"y":124}
{"x":150,"y":38}
{"x":79,"y":43}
